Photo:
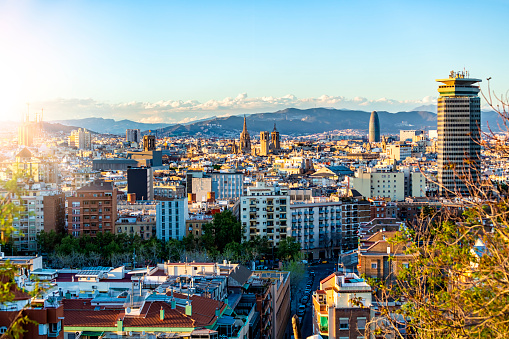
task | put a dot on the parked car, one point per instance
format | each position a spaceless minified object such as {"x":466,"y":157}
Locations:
{"x":302,"y":310}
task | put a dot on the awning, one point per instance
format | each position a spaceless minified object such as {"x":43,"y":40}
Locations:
{"x":92,"y":333}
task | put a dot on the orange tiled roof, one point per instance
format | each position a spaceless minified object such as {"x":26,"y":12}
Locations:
{"x":79,"y":312}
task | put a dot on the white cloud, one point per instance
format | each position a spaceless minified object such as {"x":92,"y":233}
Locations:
{"x":172,"y":111}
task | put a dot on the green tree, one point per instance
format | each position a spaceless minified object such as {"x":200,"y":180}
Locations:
{"x":457,"y":285}
{"x":297,"y":272}
{"x":288,"y":249}
{"x":9,"y":212}
{"x":223,"y":229}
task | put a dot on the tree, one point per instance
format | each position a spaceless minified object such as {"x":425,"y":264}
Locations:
{"x":223,"y":229}
{"x":288,"y":249}
{"x":458,"y":283}
{"x":9,"y":212}
{"x":297,"y":272}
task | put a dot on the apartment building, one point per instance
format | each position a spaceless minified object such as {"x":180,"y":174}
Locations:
{"x":171,"y":215}
{"x":92,"y":209}
{"x":224,"y":185}
{"x":335,"y":314}
{"x":264,"y":212}
{"x":31,"y":219}
{"x":144,"y":226}
{"x":325,"y":227}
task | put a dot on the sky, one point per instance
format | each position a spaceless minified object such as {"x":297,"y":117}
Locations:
{"x":177,"y":61}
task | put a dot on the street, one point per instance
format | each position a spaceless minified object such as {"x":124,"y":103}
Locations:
{"x":321,"y":272}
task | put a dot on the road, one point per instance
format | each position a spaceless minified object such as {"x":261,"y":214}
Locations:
{"x":321,"y":272}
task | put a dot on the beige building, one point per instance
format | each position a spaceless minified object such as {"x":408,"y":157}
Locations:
{"x":380,"y":184}
{"x":80,"y":139}
{"x":195,"y":223}
{"x":398,"y":152}
{"x":144,"y":226}
{"x":335,"y":314}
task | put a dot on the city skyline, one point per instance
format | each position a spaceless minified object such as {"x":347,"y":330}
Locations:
{"x":176,"y":62}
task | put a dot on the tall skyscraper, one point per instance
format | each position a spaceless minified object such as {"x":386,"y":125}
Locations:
{"x":459,"y":122}
{"x":245,"y":140}
{"x":374,"y":127}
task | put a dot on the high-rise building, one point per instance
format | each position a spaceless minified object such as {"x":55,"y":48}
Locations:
{"x":133,"y":135}
{"x":245,"y":140}
{"x":264,"y":143}
{"x":374,"y":127}
{"x":140,"y":181}
{"x":459,"y":122}
{"x":80,"y":139}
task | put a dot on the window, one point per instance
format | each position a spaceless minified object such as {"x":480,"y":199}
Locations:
{"x":361,"y":323}
{"x":374,"y":265}
{"x":343,"y":323}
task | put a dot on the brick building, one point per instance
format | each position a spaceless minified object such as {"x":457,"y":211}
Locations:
{"x":92,"y":209}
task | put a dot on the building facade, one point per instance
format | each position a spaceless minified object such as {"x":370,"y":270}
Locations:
{"x":264,"y":212}
{"x":171,"y":215}
{"x":326,"y":228}
{"x":335,"y":314}
{"x":459,"y":124}
{"x":92,"y":209}
{"x":140,"y":181}
{"x":133,"y":135}
{"x":374,"y":127}
{"x":80,"y":139}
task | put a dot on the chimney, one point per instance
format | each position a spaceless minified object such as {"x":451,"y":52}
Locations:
{"x":218,"y":312}
{"x":161,"y":314}
{"x":173,"y":304}
{"x":189,"y":309}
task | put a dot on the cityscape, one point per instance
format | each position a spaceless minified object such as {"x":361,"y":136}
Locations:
{"x":128,"y":213}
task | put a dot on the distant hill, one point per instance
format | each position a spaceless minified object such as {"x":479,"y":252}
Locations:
{"x":101,"y":125}
{"x":292,"y":121}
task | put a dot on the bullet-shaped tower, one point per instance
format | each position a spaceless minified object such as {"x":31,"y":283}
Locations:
{"x":374,"y":127}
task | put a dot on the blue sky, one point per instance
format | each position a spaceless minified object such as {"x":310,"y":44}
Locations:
{"x":173,"y":60}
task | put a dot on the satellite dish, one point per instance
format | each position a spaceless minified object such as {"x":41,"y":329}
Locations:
{"x":128,"y":310}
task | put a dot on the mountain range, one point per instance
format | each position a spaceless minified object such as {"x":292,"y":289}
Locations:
{"x":290,"y":121}
{"x":108,"y":126}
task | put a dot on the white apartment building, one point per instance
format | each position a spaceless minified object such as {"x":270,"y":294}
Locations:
{"x":393,"y":185}
{"x":373,"y":184}
{"x":263,"y":212}
{"x":31,"y":219}
{"x":225,"y":185}
{"x":171,"y":218}
{"x":324,"y":228}
{"x":399,"y":152}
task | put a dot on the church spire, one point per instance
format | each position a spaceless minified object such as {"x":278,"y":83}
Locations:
{"x":245,"y":126}
{"x":275,"y":130}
